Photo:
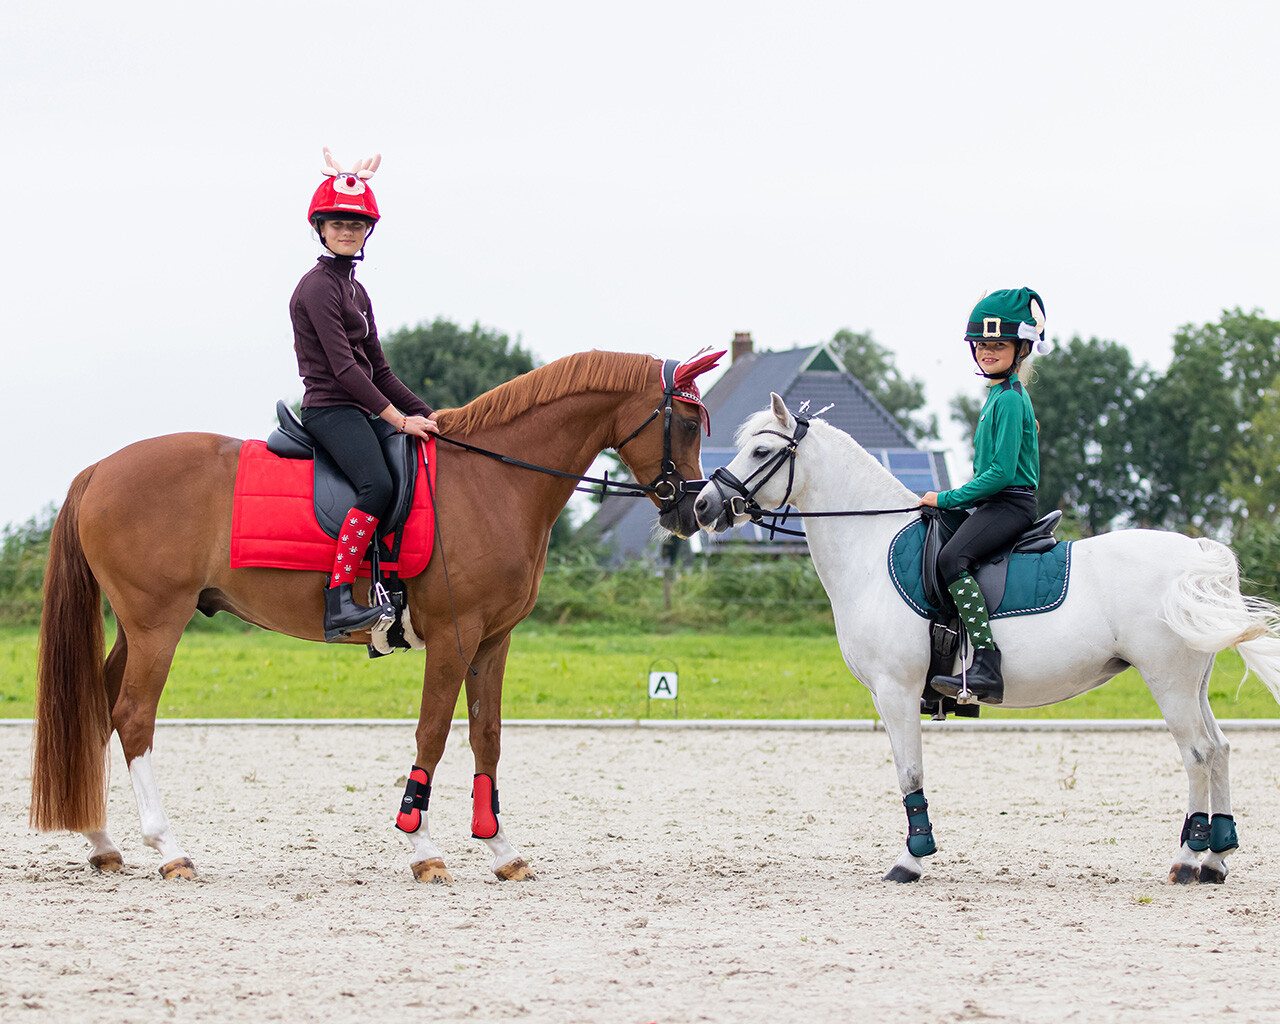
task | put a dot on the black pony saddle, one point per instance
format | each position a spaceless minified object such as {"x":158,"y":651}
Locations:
{"x":992,"y":574}
{"x":334,"y":493}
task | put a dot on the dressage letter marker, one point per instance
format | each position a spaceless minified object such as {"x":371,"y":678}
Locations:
{"x":664,"y":685}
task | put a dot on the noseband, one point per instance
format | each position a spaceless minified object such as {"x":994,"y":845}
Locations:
{"x":743,"y":501}
{"x":669,"y":487}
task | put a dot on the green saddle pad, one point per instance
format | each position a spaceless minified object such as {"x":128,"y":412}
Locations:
{"x":1034,"y":583}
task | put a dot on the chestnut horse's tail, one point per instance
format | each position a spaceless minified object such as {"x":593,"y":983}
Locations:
{"x":73,"y":722}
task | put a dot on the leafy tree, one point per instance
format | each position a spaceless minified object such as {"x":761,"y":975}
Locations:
{"x":448,"y":366}
{"x":1200,"y":418}
{"x":965,"y":410}
{"x":1086,"y":396}
{"x":1257,"y":545}
{"x":873,"y":365}
{"x":1255,"y":460}
{"x":24,"y":549}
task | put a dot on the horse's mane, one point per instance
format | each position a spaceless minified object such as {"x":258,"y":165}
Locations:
{"x":572,"y":375}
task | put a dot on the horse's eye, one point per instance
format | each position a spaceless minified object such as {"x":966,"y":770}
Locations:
{"x":761,"y":452}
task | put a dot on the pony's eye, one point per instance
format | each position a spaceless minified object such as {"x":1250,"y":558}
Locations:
{"x":761,"y":452}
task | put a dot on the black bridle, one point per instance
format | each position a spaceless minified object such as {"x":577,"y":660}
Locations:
{"x":669,"y":487}
{"x":743,"y":501}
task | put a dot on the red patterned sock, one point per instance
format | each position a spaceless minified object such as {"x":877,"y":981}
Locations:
{"x":353,"y":541}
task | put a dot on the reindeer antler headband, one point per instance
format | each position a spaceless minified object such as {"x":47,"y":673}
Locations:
{"x":361,"y":168}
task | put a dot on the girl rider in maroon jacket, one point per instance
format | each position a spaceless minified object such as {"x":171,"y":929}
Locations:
{"x":352,"y":398}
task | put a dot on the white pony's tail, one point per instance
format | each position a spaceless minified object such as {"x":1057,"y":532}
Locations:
{"x":1204,"y":606}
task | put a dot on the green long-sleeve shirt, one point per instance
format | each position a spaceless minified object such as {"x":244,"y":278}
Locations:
{"x":1006,"y":451}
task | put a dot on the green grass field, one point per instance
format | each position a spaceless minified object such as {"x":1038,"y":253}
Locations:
{"x":566,"y":674}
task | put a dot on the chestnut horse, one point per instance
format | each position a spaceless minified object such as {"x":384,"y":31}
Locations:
{"x":150,"y":526}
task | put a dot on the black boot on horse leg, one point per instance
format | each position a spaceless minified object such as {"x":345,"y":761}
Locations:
{"x":983,"y":679}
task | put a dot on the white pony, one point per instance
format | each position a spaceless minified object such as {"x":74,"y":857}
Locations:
{"x":1161,"y":602}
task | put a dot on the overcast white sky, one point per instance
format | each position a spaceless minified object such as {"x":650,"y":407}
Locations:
{"x":644,"y":177}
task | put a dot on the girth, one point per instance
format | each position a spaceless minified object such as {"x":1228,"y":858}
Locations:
{"x":334,"y":493}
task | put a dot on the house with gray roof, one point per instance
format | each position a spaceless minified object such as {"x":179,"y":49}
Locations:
{"x":629,"y":527}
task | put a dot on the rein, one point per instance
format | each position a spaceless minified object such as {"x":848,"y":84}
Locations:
{"x":668,"y":486}
{"x":743,"y":501}
{"x":668,"y":490}
{"x":608,"y":487}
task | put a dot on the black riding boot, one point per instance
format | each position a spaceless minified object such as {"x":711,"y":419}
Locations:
{"x":984,"y":678}
{"x":344,"y":615}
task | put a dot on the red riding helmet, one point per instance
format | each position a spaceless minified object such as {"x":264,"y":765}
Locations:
{"x":345,"y":195}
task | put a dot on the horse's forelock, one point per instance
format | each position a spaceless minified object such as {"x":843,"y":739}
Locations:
{"x":753,"y":424}
{"x":572,"y":375}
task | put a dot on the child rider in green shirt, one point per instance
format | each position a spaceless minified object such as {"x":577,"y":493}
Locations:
{"x":1003,"y":329}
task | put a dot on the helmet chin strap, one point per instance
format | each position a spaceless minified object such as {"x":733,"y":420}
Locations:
{"x":354,"y":259}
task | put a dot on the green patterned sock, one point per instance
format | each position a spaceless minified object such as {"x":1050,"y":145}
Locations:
{"x":973,"y":611}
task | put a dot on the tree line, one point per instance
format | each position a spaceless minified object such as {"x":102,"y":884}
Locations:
{"x":1195,"y":448}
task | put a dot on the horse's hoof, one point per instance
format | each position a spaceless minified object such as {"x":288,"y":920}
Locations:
{"x":180,"y":868}
{"x":517,"y":870}
{"x":108,"y":861}
{"x":898,"y":873}
{"x":1184,"y":874}
{"x":1212,"y":876}
{"x":432,"y":870}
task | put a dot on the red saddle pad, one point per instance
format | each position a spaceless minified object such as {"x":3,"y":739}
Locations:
{"x":273,"y":519}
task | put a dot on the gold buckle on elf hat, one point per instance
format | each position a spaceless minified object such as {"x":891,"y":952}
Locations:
{"x":991,"y":327}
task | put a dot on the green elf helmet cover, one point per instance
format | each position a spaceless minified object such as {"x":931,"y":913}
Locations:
{"x":1012,"y":314}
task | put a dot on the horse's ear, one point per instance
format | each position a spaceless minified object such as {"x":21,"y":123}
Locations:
{"x":779,"y":408}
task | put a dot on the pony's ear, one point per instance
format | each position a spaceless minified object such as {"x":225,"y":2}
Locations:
{"x":779,"y":408}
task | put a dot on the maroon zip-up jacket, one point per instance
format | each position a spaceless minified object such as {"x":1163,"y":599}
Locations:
{"x":336,"y":341}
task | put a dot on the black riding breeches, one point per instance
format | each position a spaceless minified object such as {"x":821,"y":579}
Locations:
{"x":353,"y":441}
{"x":995,"y":523}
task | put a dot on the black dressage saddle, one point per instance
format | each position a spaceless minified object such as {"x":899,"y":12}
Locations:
{"x":992,"y":574}
{"x":335,"y":494}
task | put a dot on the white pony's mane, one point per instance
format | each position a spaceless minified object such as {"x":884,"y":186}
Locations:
{"x":861,"y":464}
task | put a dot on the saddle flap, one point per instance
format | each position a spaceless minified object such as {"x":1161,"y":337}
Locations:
{"x":934,"y":537}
